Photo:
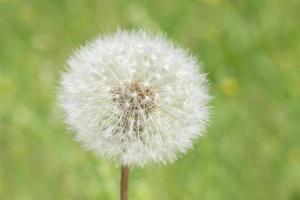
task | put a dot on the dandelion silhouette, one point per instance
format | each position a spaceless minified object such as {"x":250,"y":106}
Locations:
{"x":135,"y":98}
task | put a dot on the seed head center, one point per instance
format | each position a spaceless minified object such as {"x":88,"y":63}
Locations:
{"x":136,"y":100}
{"x":135,"y":96}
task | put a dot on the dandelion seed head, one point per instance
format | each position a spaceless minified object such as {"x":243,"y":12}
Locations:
{"x":135,"y":98}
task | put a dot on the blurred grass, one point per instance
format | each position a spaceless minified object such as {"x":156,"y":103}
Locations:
{"x":250,"y":49}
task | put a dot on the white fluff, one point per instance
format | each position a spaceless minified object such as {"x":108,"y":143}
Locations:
{"x":134,"y":97}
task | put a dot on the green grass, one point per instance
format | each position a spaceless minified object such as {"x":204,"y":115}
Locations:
{"x":251,"y":50}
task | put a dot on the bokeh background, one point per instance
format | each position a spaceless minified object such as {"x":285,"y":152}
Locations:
{"x":251,"y":50}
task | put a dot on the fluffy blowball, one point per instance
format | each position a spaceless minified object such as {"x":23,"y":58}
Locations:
{"x":134,"y":97}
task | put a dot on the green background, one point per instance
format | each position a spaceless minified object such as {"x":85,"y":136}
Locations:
{"x":251,"y":50}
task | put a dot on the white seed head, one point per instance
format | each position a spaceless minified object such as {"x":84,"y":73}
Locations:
{"x":134,"y":97}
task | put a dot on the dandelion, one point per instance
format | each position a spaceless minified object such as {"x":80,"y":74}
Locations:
{"x":135,"y":98}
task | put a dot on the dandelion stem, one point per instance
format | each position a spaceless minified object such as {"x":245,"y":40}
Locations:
{"x":124,"y":182}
